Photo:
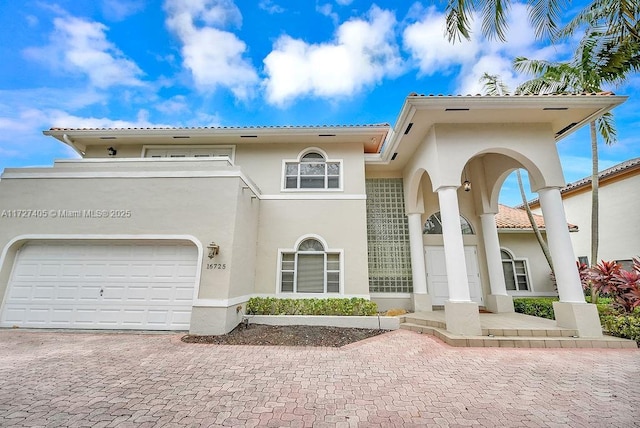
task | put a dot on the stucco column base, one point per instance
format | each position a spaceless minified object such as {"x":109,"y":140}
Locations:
{"x":422,"y":302}
{"x":462,"y":318}
{"x":499,"y":303}
{"x":582,"y":317}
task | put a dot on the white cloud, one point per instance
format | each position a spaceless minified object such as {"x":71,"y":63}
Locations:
{"x":118,"y":10}
{"x":214,"y":57}
{"x":362,"y":54}
{"x":344,"y":2}
{"x":425,"y":40}
{"x":270,"y":7}
{"x":81,"y":46}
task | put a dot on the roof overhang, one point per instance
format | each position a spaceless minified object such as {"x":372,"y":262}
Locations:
{"x":371,"y":136}
{"x":565,"y":114}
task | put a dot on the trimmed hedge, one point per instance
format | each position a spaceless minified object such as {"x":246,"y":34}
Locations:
{"x":626,"y":326}
{"x":537,"y":306}
{"x":332,"y":306}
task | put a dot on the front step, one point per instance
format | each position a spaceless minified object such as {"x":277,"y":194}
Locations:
{"x":505,"y":338}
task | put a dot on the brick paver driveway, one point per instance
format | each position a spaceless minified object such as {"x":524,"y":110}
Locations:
{"x":401,"y":378}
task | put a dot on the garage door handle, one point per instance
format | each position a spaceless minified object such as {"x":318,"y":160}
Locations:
{"x":101,"y":291}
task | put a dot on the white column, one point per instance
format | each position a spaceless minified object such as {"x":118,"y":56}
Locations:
{"x":418,"y":268}
{"x":564,"y":260}
{"x":492,"y":250}
{"x":458,"y":283}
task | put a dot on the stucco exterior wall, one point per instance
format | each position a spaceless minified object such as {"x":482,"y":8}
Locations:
{"x":619,"y":228}
{"x":340,"y":223}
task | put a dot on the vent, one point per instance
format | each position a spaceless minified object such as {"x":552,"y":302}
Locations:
{"x":181,"y":136}
{"x":555,"y":108}
{"x":565,"y":129}
{"x":107,"y":138}
{"x":406,"y":131}
{"x":248,"y":136}
{"x":326,"y":135}
{"x":456,"y":109}
{"x":395,"y":155}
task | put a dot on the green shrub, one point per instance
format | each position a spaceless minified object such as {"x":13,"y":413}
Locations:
{"x":626,"y":326}
{"x":536,"y":306}
{"x":331,"y":306}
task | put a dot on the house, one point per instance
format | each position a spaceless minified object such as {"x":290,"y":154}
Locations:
{"x":619,"y":229}
{"x":176,"y":228}
{"x":526,"y":270}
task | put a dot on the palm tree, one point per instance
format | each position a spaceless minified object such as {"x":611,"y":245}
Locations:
{"x":583,"y":74}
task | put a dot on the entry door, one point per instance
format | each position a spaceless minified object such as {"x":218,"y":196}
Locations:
{"x":437,"y":274}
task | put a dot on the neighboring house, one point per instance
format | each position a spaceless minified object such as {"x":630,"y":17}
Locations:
{"x":526,"y":270}
{"x":619,"y":205}
{"x":176,"y":228}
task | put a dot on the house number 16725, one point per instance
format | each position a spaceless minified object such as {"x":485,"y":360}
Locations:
{"x":211,"y":266}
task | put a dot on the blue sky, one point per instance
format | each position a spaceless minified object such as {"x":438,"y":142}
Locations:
{"x":128,"y":63}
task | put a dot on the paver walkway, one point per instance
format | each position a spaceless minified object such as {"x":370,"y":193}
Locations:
{"x":401,"y":378}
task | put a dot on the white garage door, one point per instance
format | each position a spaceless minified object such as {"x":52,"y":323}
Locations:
{"x":146,"y":286}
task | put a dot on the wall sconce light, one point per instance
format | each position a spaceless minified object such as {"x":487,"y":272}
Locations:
{"x":214,"y":249}
{"x":467,"y":184}
{"x":111,"y":151}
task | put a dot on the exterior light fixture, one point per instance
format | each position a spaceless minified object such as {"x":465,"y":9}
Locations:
{"x":111,"y":151}
{"x":214,"y":249}
{"x":467,"y":184}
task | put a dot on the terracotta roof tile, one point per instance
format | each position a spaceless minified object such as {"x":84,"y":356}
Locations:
{"x":516,"y":218}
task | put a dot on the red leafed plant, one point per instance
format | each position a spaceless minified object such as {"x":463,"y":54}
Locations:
{"x":627,"y":285}
{"x":601,"y":277}
{"x":583,"y":271}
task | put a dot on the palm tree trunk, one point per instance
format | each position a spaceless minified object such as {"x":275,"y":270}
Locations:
{"x":594,"y":203}
{"x":534,"y":226}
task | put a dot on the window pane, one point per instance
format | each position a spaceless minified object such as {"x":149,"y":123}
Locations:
{"x":312,"y":169}
{"x":310,"y":245}
{"x":509,"y":277}
{"x":312,"y":157}
{"x":311,"y":182}
{"x":333,"y":168}
{"x":287,"y":282}
{"x":333,"y":262}
{"x":333,"y":282}
{"x":292,"y":169}
{"x":334,"y":183}
{"x":291,"y":183}
{"x":522,"y":283}
{"x":310,"y":273}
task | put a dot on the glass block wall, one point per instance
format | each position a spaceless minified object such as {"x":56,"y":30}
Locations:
{"x":388,"y":237}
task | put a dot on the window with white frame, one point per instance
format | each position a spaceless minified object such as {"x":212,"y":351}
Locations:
{"x":312,"y":171}
{"x":189,"y":152}
{"x":433,"y":225}
{"x":516,"y":276}
{"x":310,"y":269}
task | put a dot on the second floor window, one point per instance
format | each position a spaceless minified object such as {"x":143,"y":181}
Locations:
{"x":313,"y":171}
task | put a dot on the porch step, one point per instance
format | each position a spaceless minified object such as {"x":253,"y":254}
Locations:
{"x":511,"y":332}
{"x":550,"y":339}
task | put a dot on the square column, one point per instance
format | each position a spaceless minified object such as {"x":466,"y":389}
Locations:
{"x":421,"y":298}
{"x":498,"y":301}
{"x":572,"y":311}
{"x":461,"y":314}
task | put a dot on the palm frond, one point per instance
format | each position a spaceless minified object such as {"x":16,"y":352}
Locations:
{"x":494,"y":19}
{"x":544,"y":16}
{"x":492,"y":84}
{"x":458,"y":19}
{"x":607,"y":128}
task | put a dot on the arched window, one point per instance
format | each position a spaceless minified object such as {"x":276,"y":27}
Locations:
{"x":515,"y":272}
{"x":433,"y":225}
{"x":312,"y":171}
{"x":310,"y":269}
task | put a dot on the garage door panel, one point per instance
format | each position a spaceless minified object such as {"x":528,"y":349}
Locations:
{"x":144,"y":286}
